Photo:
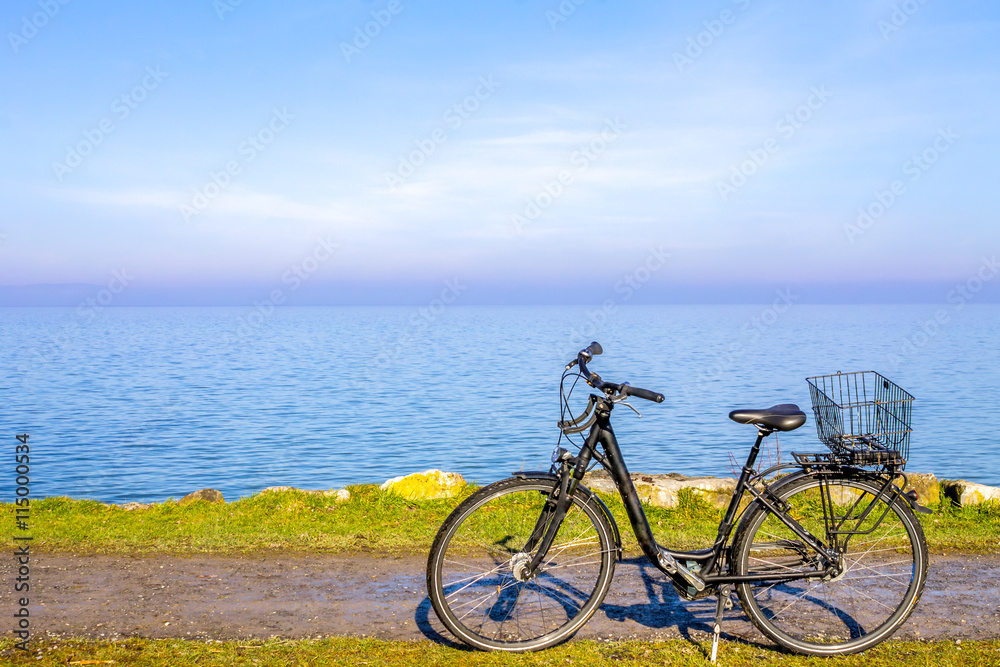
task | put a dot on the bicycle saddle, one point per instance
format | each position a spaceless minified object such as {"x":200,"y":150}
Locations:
{"x":784,"y":417}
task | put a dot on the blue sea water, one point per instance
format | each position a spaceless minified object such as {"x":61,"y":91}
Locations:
{"x":148,"y":403}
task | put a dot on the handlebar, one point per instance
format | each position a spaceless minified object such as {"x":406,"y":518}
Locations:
{"x":595,"y":381}
{"x":638,"y":392}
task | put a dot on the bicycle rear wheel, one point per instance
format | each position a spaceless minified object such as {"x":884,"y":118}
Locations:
{"x":883,"y":570}
{"x":475,"y":575}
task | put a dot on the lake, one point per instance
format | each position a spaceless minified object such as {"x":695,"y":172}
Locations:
{"x":142,"y":404}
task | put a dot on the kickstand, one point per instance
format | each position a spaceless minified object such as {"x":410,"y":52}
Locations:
{"x":721,"y":605}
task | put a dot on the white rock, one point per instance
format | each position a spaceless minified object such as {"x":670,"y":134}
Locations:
{"x":969,"y":493}
{"x":663,"y":490}
{"x":128,"y":507}
{"x":339,"y":495}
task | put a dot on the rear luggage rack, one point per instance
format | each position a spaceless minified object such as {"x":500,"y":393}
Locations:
{"x":863,"y":418}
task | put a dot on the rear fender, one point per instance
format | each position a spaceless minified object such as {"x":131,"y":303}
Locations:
{"x":777,"y":487}
{"x":590,"y":495}
{"x":752,"y":507}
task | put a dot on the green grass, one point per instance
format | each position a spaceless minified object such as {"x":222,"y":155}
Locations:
{"x":355,"y":652}
{"x":372,"y":521}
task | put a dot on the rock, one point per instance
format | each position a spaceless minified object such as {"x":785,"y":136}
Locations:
{"x":842,"y":497}
{"x":278,"y":489}
{"x":663,"y":490}
{"x":926,"y":485}
{"x":426,"y":485}
{"x":208,"y":495}
{"x":961,"y":492}
{"x":339,"y":495}
{"x":128,"y":507}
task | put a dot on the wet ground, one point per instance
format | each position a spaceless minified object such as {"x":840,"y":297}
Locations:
{"x":311,"y":595}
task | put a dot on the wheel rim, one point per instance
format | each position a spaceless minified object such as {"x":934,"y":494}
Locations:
{"x":484,"y":593}
{"x":871,"y":591}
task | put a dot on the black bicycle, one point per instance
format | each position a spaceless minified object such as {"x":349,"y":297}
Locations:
{"x":826,"y":558}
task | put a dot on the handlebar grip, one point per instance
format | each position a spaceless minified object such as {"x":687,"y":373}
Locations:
{"x":585,"y":355}
{"x":643,"y":393}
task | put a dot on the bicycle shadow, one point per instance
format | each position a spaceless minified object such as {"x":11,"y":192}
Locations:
{"x":662,"y":609}
{"x":422,"y":617}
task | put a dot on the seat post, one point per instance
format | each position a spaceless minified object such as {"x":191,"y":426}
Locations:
{"x":741,"y":483}
{"x":762,"y":432}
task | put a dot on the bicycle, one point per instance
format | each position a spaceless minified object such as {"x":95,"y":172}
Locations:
{"x":828,"y":559}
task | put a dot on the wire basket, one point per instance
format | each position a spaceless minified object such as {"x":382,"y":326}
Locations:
{"x":862,"y":417}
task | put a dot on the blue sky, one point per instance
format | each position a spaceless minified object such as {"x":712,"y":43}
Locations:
{"x":537,"y":152}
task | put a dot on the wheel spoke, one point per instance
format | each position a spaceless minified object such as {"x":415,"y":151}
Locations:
{"x":476,"y":580}
{"x":865,"y":601}
{"x":480,"y":562}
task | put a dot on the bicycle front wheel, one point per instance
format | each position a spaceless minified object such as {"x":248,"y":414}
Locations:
{"x":475,"y":571}
{"x":881,"y":575}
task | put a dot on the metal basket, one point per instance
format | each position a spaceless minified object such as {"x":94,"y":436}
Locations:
{"x":862,"y":417}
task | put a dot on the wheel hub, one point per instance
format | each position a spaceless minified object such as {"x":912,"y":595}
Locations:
{"x":839,"y":570}
{"x":519,"y":566}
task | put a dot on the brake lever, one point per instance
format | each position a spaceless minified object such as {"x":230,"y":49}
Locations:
{"x":630,"y":407}
{"x":620,"y":400}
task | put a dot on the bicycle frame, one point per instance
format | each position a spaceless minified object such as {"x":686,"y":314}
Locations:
{"x":702,"y":568}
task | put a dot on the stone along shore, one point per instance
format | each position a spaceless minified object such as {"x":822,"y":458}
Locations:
{"x":662,"y":490}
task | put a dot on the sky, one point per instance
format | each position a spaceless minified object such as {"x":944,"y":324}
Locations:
{"x":222,"y":151}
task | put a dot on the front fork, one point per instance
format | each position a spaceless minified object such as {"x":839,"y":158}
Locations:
{"x":548,"y":524}
{"x":556,"y":506}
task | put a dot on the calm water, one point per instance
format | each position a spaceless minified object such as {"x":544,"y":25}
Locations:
{"x":147,"y":403}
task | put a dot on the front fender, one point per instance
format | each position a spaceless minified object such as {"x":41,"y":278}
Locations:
{"x":590,"y":495}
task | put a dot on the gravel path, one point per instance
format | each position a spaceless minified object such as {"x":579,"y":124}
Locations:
{"x":308,"y":595}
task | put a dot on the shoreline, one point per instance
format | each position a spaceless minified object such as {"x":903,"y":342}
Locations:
{"x":436,"y":484}
{"x":379,"y":520}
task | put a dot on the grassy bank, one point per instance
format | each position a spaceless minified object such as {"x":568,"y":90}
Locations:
{"x":357,"y":652}
{"x":374,"y":521}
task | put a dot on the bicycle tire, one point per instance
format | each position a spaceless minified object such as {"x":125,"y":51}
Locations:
{"x":882,"y":580}
{"x":470,"y":568}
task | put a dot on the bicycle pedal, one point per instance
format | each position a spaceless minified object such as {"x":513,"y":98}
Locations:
{"x":672,"y":566}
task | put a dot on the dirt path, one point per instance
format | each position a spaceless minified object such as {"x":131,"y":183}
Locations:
{"x":309,"y":595}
